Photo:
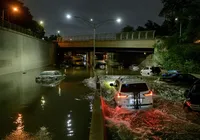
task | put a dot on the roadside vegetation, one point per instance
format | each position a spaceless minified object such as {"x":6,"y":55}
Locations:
{"x":171,"y":54}
{"x":166,"y":120}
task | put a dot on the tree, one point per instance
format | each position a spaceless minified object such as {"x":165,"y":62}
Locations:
{"x":140,"y":28}
{"x":52,"y":37}
{"x":22,"y":17}
{"x":128,"y":28}
{"x":37,"y":28}
{"x":188,"y":14}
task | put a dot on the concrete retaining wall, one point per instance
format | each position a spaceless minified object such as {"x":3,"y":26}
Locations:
{"x":20,"y":52}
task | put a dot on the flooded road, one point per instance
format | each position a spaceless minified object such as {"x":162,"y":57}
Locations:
{"x":29,"y":110}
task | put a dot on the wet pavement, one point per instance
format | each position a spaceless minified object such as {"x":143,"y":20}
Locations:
{"x":29,"y":110}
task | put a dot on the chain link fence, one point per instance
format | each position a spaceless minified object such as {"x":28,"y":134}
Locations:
{"x":8,"y":25}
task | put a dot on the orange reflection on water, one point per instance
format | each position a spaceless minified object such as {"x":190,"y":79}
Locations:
{"x":19,"y":122}
{"x":19,"y":133}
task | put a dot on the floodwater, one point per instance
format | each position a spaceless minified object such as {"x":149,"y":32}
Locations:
{"x":32,"y":111}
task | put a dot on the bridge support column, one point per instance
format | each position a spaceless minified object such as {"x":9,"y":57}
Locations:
{"x":90,"y":58}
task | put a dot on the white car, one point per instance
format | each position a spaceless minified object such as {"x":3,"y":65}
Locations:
{"x":150,"y":71}
{"x":134,"y":68}
{"x":50,"y":76}
{"x":132,"y":94}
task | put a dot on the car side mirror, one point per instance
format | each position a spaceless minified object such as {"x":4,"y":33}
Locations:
{"x":186,"y":93}
{"x":111,"y":84}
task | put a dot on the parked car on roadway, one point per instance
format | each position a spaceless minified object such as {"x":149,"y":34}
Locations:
{"x":50,"y":76}
{"x":150,"y":71}
{"x":132,"y":94}
{"x":171,"y":72}
{"x":65,"y":65}
{"x":116,"y":64}
{"x":100,"y":64}
{"x":180,"y":79}
{"x":192,"y":96}
{"x":134,"y":67}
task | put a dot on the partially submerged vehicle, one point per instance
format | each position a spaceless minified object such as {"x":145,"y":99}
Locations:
{"x":132,"y":94}
{"x":192,"y":95}
{"x":179,"y":79}
{"x":49,"y":76}
{"x":150,"y":71}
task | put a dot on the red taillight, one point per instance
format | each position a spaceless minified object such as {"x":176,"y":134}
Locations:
{"x":188,"y":103}
{"x":150,"y":93}
{"x":119,"y":95}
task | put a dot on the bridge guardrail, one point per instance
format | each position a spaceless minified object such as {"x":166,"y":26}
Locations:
{"x":112,"y":36}
{"x":8,"y":25}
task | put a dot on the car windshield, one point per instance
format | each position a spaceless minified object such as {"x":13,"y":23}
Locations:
{"x":138,"y":87}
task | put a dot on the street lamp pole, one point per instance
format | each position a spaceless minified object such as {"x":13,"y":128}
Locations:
{"x":94,"y":26}
{"x":94,"y":47}
{"x":3,"y":14}
{"x":180,"y":28}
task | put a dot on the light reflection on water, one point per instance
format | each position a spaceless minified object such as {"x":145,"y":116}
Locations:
{"x":91,"y":107}
{"x":20,"y":134}
{"x":59,"y":91}
{"x":70,"y":131}
{"x":43,"y":102}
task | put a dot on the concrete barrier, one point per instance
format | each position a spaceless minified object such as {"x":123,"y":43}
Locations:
{"x":21,"y":52}
{"x":97,"y":124}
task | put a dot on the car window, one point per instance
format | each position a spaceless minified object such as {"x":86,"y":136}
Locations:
{"x":196,"y":88}
{"x":46,"y":73}
{"x":180,"y":77}
{"x":134,"y":87}
{"x":57,"y":73}
{"x":190,"y":77}
{"x":146,"y":68}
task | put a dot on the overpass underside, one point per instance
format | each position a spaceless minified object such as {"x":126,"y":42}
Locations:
{"x":105,"y":49}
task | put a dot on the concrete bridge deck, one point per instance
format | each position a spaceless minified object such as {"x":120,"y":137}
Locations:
{"x":144,"y":39}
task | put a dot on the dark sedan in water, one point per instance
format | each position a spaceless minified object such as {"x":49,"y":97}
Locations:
{"x":180,"y":79}
{"x":192,"y":96}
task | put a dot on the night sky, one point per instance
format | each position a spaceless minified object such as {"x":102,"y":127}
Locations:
{"x":132,"y":12}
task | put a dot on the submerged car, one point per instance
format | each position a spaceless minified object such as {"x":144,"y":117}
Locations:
{"x":100,"y":64}
{"x":192,"y":96}
{"x":171,"y":72}
{"x":50,"y":76}
{"x":150,"y":71}
{"x":132,"y":94}
{"x":181,"y":79}
{"x":134,"y":67}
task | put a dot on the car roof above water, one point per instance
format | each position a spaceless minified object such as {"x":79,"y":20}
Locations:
{"x":49,"y":71}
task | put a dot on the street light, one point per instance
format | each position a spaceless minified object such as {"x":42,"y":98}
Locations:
{"x":94,"y":26}
{"x":14,"y":9}
{"x":41,"y":22}
{"x":58,"y":32}
{"x":180,"y":27}
{"x":68,"y":16}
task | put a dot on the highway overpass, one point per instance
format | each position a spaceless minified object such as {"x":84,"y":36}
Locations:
{"x":133,"y":40}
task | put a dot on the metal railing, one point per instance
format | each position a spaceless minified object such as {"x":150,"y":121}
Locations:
{"x":11,"y":26}
{"x":112,"y":36}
